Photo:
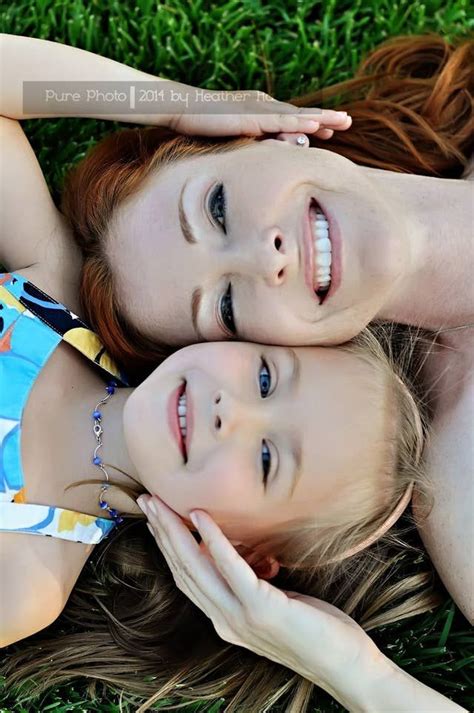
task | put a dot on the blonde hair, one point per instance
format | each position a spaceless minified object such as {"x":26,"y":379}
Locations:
{"x":324,"y":544}
{"x":129,"y":625}
{"x":134,"y":630}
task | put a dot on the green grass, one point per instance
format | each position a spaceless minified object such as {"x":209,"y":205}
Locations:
{"x":285,"y":47}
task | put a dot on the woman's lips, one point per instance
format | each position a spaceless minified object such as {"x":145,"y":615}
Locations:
{"x":308,"y":249}
{"x":173,"y":421}
{"x":336,"y":245}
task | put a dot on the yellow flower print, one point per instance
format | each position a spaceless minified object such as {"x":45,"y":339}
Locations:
{"x":69,"y":519}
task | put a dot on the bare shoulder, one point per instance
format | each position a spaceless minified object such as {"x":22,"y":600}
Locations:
{"x":448,"y":532}
{"x":34,"y":234}
{"x":37,"y":575}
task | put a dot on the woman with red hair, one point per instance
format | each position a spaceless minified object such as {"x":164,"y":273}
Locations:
{"x":186,"y":239}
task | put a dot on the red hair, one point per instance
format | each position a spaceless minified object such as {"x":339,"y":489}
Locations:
{"x":412,"y":106}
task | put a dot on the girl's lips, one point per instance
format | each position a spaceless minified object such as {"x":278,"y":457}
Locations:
{"x":189,"y":417}
{"x":173,"y":421}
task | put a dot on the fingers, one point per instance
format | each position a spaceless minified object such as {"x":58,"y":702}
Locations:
{"x":193,"y":572}
{"x":324,"y":133}
{"x":329,"y":118}
{"x":233,"y":577}
{"x":237,"y":573}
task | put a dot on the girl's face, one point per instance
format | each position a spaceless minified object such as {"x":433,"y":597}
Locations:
{"x":271,"y":433}
{"x":224,"y":245}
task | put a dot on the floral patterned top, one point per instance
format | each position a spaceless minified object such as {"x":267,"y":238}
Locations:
{"x":32,"y":325}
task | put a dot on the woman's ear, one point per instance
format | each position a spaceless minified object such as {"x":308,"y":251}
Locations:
{"x":295,"y":139}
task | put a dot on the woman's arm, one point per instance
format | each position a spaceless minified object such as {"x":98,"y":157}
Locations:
{"x":390,"y":689}
{"x":34,"y":237}
{"x":25,"y":59}
{"x":309,"y":636}
{"x":179,"y":106}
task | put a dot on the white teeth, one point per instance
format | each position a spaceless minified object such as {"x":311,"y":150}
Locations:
{"x":320,"y":232}
{"x":322,"y":248}
{"x":323,"y":259}
{"x":323,"y":245}
{"x":182,"y":409}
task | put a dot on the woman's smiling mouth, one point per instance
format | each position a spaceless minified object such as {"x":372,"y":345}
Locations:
{"x":319,"y":252}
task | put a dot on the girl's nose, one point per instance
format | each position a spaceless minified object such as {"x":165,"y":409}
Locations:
{"x":230,"y":414}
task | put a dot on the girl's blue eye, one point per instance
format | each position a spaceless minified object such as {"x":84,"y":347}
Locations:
{"x":265,"y":379}
{"x":266,"y":461}
{"x":217,"y":204}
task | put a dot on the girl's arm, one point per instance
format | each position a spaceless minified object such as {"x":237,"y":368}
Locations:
{"x":176,"y":105}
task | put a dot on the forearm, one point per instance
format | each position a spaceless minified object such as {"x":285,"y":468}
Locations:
{"x":27,"y":59}
{"x":390,"y":689}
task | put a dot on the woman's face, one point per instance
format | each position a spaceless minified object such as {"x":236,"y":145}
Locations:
{"x":272,"y":434}
{"x":224,"y":245}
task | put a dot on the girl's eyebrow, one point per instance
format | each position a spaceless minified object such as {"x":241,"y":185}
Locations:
{"x":183,"y":221}
{"x":296,"y":366}
{"x":296,"y":452}
{"x":296,"y":449}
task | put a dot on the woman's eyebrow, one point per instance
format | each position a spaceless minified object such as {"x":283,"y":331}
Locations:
{"x":183,"y":221}
{"x":195,"y":305}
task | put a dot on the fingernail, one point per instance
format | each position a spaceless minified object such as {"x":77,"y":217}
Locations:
{"x":153,"y":507}
{"x":194,"y":519}
{"x":142,"y":504}
{"x":342,"y":113}
{"x":151,"y":530}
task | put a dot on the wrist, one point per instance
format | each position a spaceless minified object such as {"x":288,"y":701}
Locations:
{"x":369,"y":684}
{"x":387,"y":687}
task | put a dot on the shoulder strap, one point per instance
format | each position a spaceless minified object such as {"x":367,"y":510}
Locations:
{"x":65,"y":323}
{"x":54,"y":522}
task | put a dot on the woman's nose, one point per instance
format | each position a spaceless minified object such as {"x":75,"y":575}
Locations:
{"x":274,"y":258}
{"x":267,"y":256}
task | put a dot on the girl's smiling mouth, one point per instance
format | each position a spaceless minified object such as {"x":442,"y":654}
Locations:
{"x":177,"y":418}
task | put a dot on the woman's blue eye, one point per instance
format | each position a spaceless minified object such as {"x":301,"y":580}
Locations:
{"x":227,"y":312}
{"x":265,"y":379}
{"x":266,"y":462}
{"x":217,"y":205}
